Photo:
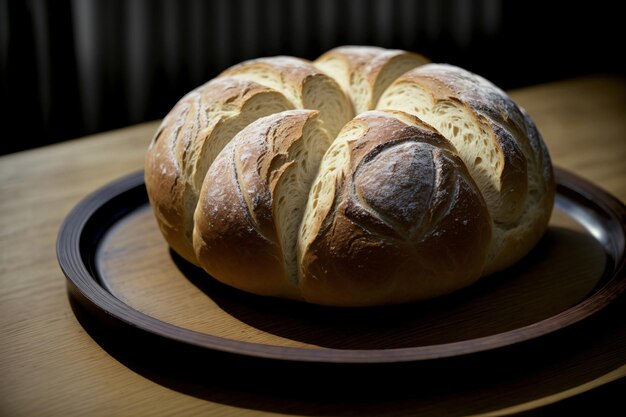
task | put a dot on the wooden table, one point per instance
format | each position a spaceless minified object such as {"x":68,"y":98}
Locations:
{"x":50,"y":366}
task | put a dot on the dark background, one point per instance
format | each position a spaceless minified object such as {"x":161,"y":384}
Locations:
{"x":73,"y":67}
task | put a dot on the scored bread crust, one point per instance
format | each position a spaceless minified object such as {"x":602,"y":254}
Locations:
{"x":188,"y":140}
{"x":302,"y":83}
{"x":514,"y":171}
{"x":365,"y":72}
{"x":264,"y":179}
{"x":405,"y":222}
{"x":237,"y":232}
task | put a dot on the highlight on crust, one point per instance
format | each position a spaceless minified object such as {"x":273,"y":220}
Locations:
{"x":367,"y":177}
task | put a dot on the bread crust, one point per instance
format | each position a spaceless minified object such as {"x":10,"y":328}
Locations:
{"x":235,"y":234}
{"x":398,"y":211}
{"x":519,"y":239}
{"x":407,"y":221}
{"x":362,"y":67}
{"x":438,"y":80}
{"x":525,"y":187}
{"x":174,"y":162}
{"x":298,"y":79}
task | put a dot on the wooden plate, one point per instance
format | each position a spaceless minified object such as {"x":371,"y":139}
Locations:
{"x":120,"y":269}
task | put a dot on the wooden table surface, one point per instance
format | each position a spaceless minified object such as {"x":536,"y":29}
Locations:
{"x":50,"y":366}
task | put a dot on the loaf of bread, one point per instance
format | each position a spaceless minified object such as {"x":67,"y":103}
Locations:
{"x":368,"y":177}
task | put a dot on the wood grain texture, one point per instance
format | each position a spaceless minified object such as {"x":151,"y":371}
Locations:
{"x":51,"y":366}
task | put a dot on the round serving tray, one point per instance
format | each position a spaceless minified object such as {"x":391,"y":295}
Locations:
{"x":119,"y":267}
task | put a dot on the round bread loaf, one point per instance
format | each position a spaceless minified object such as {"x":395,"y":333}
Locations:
{"x":367,"y":177}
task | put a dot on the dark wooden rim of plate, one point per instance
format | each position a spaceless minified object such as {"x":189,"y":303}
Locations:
{"x":601,"y":213}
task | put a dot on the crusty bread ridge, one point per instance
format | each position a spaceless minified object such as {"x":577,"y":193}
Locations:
{"x":252,"y":200}
{"x":264,"y":178}
{"x":302,"y":83}
{"x":365,"y":72}
{"x":403,"y":220}
{"x":499,"y":144}
{"x":187,"y":142}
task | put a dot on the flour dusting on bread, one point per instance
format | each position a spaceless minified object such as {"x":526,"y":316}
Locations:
{"x":366,"y":177}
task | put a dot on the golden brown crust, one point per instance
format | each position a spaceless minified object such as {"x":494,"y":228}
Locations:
{"x":444,"y":83}
{"x":367,"y":68}
{"x":176,"y":160}
{"x":518,"y":188}
{"x":302,"y":83}
{"x":520,"y":239}
{"x":403,"y":214}
{"x":236,"y":236}
{"x":408,"y":222}
{"x":163,"y":172}
{"x":293,"y":72}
